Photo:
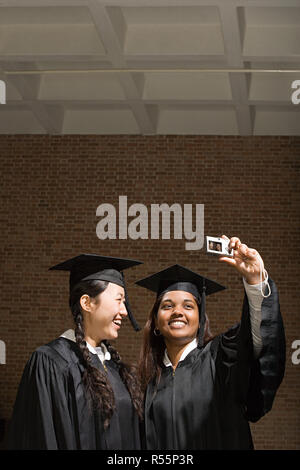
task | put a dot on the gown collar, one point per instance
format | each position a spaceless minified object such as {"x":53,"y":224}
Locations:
{"x":190,"y":347}
{"x":101,"y":351}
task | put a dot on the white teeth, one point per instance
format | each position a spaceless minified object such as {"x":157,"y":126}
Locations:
{"x":177,"y":322}
{"x":117,"y":322}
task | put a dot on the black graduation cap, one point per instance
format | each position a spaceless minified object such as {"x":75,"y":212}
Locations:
{"x":86,"y":267}
{"x":177,"y":277}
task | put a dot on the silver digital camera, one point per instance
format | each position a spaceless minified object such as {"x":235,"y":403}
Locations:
{"x":218,"y":246}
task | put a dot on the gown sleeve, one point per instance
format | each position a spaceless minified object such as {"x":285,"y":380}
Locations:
{"x":254,"y":381}
{"x":41,"y":419}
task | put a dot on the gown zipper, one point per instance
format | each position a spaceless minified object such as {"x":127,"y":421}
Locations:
{"x":173,"y":411}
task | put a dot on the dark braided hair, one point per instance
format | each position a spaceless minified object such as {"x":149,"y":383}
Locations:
{"x":100,"y":392}
{"x":129,"y":375}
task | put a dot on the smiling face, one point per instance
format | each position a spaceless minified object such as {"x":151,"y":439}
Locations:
{"x":104,"y":313}
{"x":178,"y":317}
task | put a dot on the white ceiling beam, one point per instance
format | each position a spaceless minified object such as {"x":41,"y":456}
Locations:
{"x":42,"y":3}
{"x":147,"y":3}
{"x":20,"y":60}
{"x":128,"y":82}
{"x":50,"y":117}
{"x":232,"y":26}
{"x":174,"y":3}
{"x":27,"y":85}
{"x":117,"y":104}
{"x":151,"y":61}
{"x":106,"y":33}
{"x":274,"y":59}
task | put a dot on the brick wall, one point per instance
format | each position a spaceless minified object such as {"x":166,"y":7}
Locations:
{"x":51,"y":187}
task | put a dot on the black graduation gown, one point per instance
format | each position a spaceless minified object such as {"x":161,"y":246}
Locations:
{"x":215,"y":391}
{"x":51,"y":409}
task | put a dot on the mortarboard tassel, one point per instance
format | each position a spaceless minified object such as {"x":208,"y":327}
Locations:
{"x":130,"y":314}
{"x":202,"y":317}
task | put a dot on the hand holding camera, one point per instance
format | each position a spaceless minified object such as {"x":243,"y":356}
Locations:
{"x":232,"y":251}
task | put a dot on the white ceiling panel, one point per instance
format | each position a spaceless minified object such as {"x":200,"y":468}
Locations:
{"x":52,"y":39}
{"x":45,"y":15}
{"x":100,"y":121}
{"x":187,"y":86}
{"x":19,"y":121}
{"x":171,"y":15}
{"x":81,"y":86}
{"x":273,"y":16}
{"x":174,"y":39}
{"x":197,"y":121}
{"x":272,"y":31}
{"x":277,"y":122}
{"x":272,"y":87}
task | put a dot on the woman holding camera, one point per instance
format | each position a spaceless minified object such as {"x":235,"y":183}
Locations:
{"x":201,"y":392}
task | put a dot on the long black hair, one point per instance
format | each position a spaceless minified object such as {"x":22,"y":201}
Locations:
{"x":97,"y":385}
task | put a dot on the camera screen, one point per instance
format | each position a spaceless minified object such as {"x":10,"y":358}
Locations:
{"x":215,"y":246}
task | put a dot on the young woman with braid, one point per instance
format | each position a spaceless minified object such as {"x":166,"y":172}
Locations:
{"x":75,"y":392}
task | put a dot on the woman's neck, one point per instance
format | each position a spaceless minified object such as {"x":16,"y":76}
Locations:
{"x":175,"y":351}
{"x":92,"y":340}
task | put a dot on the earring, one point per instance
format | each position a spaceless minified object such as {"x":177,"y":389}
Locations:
{"x":156,"y":332}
